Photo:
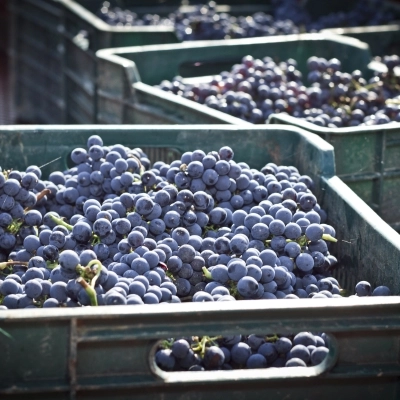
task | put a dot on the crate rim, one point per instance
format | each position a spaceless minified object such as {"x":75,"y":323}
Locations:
{"x":105,"y":53}
{"x":101,"y":25}
{"x":354,"y":130}
{"x":205,"y":309}
{"x":362,"y":29}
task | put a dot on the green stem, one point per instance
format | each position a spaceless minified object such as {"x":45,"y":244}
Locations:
{"x":272,"y":338}
{"x":167,"y":344}
{"x":206,"y":273}
{"x":329,"y":238}
{"x":51,"y":265}
{"x":95,"y":239}
{"x":98,"y":271}
{"x":59,"y":221}
{"x":89,"y":290}
{"x":15,"y":226}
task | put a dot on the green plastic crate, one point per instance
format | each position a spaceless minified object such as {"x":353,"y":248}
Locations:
{"x":36,"y":56}
{"x":54,"y":64}
{"x":367,"y":160}
{"x":106,"y":352}
{"x":127,"y":75}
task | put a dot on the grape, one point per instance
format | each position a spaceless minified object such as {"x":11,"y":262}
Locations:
{"x":10,"y":286}
{"x":58,"y":291}
{"x":165,"y":359}
{"x":240,"y":353}
{"x":214,"y":358}
{"x":305,"y":338}
{"x":50,"y":303}
{"x":295,"y":362}
{"x":381,"y":291}
{"x":318,"y":355}
{"x":113,"y":298}
{"x":33,"y":288}
{"x":180,"y":348}
{"x":247,"y":287}
{"x":268,"y":350}
{"x":314,"y":232}
{"x":237,"y":270}
{"x":304,"y":262}
{"x":299,"y":351}
{"x":363,"y":288}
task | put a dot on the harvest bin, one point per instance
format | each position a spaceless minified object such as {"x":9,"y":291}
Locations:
{"x":53,"y":51}
{"x":367,"y":160}
{"x":126,"y":75}
{"x":54,"y":64}
{"x":107,"y":352}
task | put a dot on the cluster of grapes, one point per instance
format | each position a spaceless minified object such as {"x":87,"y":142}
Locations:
{"x":289,"y":17}
{"x":255,"y":89}
{"x":204,"y":23}
{"x":364,"y":13}
{"x":238,"y":351}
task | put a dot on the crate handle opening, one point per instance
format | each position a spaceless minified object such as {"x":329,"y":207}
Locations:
{"x":215,"y":376}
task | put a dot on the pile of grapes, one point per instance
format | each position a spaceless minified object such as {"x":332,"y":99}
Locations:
{"x":289,"y":17}
{"x":115,"y":230}
{"x":255,"y":89}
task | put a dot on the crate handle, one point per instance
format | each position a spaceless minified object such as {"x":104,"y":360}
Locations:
{"x":248,"y":374}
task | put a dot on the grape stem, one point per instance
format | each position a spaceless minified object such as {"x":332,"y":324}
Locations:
{"x":59,"y":221}
{"x":98,"y":271}
{"x":39,"y":196}
{"x":329,"y":238}
{"x":6,"y":264}
{"x":89,"y":290}
{"x":206,"y":273}
{"x":51,"y":265}
{"x":205,"y":340}
{"x":272,"y":339}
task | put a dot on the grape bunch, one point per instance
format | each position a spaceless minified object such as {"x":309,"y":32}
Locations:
{"x":203,"y":23}
{"x":287,"y":17}
{"x":364,"y":13}
{"x":255,"y":89}
{"x":239,"y":351}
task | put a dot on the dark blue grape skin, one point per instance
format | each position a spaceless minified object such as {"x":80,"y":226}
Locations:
{"x":318,"y":355}
{"x":180,"y":348}
{"x":363,"y":288}
{"x":295,"y":362}
{"x":165,"y":359}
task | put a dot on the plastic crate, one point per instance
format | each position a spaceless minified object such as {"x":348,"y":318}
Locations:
{"x":106,"y":352}
{"x":367,"y":160}
{"x":37,"y":60}
{"x":53,"y":51}
{"x":127,"y":75}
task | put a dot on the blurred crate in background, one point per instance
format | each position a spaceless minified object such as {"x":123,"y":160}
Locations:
{"x":127,"y":75}
{"x":54,"y":44}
